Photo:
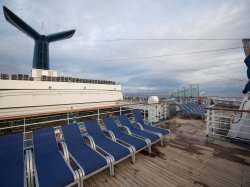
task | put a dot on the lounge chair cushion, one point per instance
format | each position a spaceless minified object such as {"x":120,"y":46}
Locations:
{"x":113,"y":148}
{"x":52,"y":169}
{"x":111,"y":125}
{"x":116,"y":150}
{"x":11,"y":160}
{"x":138,"y":118}
{"x":155,"y":129}
{"x":89,"y":159}
{"x":125,"y":121}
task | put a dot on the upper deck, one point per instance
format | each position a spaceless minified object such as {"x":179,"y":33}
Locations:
{"x":24,"y":95}
{"x":188,"y":159}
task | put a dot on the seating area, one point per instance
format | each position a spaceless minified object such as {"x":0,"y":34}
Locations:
{"x":146,"y":125}
{"x":192,"y":110}
{"x":139,"y":132}
{"x":66,"y":156}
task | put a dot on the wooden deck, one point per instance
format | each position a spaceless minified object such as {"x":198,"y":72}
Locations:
{"x":188,"y":159}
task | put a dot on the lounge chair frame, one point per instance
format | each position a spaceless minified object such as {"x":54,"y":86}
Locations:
{"x":110,"y":133}
{"x":139,"y":126}
{"x":126,"y":131}
{"x":76,"y":174}
{"x":112,"y":159}
{"x":146,"y":122}
{"x":90,"y":142}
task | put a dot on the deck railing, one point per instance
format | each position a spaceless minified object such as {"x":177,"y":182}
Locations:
{"x":24,"y":77}
{"x":26,"y":125}
{"x":229,"y":124}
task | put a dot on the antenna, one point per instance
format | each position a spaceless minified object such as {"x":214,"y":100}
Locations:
{"x":42,"y":29}
{"x":41,"y":49}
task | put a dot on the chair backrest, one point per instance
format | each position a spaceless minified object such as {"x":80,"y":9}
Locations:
{"x":94,"y":129}
{"x":11,"y":149}
{"x":137,"y":116}
{"x":124,"y":121}
{"x":72,"y":135}
{"x":110,"y":124}
{"x":44,"y":142}
{"x":182,"y":108}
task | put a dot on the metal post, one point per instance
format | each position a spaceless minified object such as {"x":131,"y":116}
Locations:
{"x":144,"y":113}
{"x":213,"y":123}
{"x":68,"y":117}
{"x":198,"y":91}
{"x":167,"y":111}
{"x":120,"y":110}
{"x":178,"y":93}
{"x":190,"y":92}
{"x":24,"y":125}
{"x":98,"y":115}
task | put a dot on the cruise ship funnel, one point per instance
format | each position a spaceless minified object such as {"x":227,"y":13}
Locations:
{"x":41,"y":49}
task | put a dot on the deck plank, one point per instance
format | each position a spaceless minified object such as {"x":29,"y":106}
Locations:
{"x":188,"y":159}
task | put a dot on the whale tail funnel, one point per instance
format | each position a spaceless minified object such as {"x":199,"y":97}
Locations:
{"x":41,"y":49}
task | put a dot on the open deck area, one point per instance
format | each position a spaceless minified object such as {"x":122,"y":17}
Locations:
{"x":188,"y":159}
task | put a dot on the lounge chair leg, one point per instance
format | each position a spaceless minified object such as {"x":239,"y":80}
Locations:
{"x":133,"y":157}
{"x":162,"y":141}
{"x":111,"y":170}
{"x":149,"y":150}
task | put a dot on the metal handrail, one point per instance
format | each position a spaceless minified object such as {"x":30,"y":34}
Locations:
{"x":69,"y":116}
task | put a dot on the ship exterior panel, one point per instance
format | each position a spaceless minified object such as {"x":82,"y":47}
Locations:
{"x":31,"y":97}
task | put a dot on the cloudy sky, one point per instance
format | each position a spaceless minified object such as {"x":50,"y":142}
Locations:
{"x":111,"y":42}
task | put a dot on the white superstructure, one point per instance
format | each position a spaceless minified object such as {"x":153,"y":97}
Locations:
{"x":240,"y":124}
{"x":22,"y":97}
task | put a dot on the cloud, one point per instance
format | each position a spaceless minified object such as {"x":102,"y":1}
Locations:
{"x":83,"y":56}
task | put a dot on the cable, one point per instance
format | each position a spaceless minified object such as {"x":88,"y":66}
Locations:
{"x":167,"y":39}
{"x":222,"y":76}
{"x":175,"y":54}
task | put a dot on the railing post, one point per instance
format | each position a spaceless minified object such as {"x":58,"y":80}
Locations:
{"x":213,"y":123}
{"x":120,"y":110}
{"x":98,"y":114}
{"x":68,"y":117}
{"x":208,"y":122}
{"x":167,"y":111}
{"x":24,"y":125}
{"x":144,"y":113}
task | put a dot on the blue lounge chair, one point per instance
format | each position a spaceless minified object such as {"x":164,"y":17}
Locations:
{"x":137,"y":131}
{"x":117,"y":151}
{"x":138,"y":118}
{"x":88,"y":159}
{"x":51,"y":169}
{"x":12,"y":172}
{"x":192,"y":109}
{"x":127,"y":138}
{"x":183,"y":111}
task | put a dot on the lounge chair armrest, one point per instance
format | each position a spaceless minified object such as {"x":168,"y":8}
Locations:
{"x":125,"y":130}
{"x":137,"y":125}
{"x":64,"y":150}
{"x":109,"y":134}
{"x":89,"y":140}
{"x":146,"y":122}
{"x":29,"y":168}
